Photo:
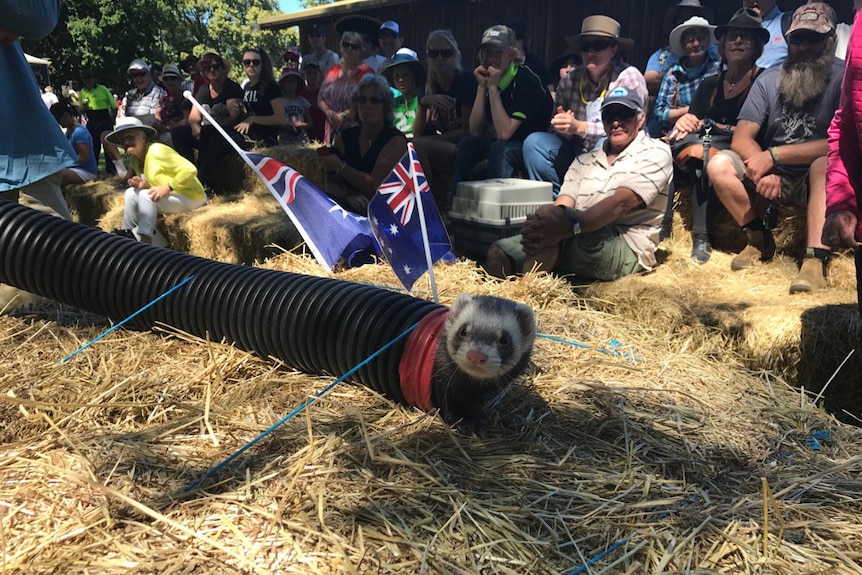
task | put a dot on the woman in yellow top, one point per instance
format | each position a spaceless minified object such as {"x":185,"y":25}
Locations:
{"x":161,"y":180}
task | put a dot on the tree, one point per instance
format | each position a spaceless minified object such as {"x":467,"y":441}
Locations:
{"x":106,"y":35}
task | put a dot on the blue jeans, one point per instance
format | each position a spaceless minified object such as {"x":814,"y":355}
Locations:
{"x":547,"y":157}
{"x":504,"y":157}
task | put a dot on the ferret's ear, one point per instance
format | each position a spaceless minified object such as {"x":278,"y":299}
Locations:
{"x":526,"y":319}
{"x":459,"y":304}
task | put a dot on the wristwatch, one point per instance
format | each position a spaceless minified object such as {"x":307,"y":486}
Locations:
{"x":572,"y":215}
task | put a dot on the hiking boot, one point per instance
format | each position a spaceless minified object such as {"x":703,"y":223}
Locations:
{"x":761,"y":247}
{"x":812,"y":276}
{"x":701,"y":249}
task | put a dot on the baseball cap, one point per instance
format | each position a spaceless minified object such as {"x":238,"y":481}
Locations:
{"x":138,"y":64}
{"x":622,"y":96}
{"x":171,"y":70}
{"x":392,"y":26}
{"x":499,"y":36}
{"x":815,"y":16}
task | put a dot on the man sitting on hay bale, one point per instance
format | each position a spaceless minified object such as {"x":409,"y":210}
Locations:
{"x":779,"y":147}
{"x":605,"y":223}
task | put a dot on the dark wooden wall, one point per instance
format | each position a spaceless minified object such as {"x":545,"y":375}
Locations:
{"x":548,"y":21}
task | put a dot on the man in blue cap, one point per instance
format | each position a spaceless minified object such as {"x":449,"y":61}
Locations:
{"x":605,"y":223}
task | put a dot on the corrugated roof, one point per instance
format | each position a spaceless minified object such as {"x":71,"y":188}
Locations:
{"x":279,"y":21}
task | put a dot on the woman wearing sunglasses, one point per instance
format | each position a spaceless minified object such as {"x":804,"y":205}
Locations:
{"x":262,"y":100}
{"x":441,"y":120}
{"x":577,"y":126}
{"x":221,"y":97}
{"x":339,"y":84}
{"x":363,"y":155}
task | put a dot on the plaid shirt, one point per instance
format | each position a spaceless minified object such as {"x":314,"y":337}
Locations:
{"x":576,"y":91}
{"x":677,"y":88}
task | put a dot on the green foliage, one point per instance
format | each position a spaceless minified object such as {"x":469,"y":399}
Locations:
{"x":313,"y":3}
{"x":106,"y":35}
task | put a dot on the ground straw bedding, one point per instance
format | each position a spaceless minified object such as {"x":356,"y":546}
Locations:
{"x":653,"y":437}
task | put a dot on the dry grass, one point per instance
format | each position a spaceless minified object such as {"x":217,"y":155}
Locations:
{"x":693,"y":456}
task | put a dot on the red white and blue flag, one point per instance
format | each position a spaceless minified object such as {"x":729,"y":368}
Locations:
{"x":395,"y":221}
{"x":329,"y":231}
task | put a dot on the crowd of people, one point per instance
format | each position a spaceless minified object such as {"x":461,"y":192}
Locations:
{"x":736,"y":111}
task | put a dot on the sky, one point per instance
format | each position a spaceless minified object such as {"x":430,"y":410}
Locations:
{"x":289,"y":5}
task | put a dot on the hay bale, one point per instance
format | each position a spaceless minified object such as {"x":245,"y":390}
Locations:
{"x":89,"y":202}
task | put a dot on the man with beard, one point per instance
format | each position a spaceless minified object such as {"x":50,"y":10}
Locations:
{"x":779,"y":147}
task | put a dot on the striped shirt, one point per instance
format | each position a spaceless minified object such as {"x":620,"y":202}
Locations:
{"x":677,"y":90}
{"x":646,"y":168}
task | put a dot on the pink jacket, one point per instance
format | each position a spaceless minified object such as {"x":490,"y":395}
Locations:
{"x":844,"y":170}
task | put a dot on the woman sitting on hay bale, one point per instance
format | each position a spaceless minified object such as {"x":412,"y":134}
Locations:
{"x":162,"y":180}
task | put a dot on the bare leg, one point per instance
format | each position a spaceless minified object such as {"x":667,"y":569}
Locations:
{"x":545,"y":260}
{"x":497,"y":263}
{"x":816,"y":215}
{"x":730,"y":189}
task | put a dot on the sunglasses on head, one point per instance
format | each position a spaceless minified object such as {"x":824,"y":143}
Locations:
{"x":374,"y":100}
{"x":137,"y":74}
{"x":251,"y":62}
{"x":213,"y":66}
{"x":350,"y":46}
{"x":596,"y":45}
{"x":807,"y":37}
{"x":618,"y":113}
{"x":445,"y":53}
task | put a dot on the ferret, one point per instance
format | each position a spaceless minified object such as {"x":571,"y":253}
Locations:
{"x":485,"y":344}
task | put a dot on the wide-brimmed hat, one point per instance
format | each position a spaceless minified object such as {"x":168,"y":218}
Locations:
{"x":745,"y":19}
{"x":126,"y":124}
{"x":359,"y":23}
{"x":601,"y":26}
{"x":675,"y":38}
{"x":815,"y":16}
{"x":291,"y":73}
{"x":171,"y":70}
{"x":670,"y":17}
{"x":404,"y":57}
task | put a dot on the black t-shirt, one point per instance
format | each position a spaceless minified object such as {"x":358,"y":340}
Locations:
{"x":526,"y":98}
{"x":258,"y":102}
{"x":354,"y":159}
{"x":709,"y":101}
{"x":463,"y":90}
{"x":217,"y":106}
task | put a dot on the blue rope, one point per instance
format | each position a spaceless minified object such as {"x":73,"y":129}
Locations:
{"x":290,"y":415}
{"x":614,"y":344}
{"x":109,"y":330}
{"x":596,"y":558}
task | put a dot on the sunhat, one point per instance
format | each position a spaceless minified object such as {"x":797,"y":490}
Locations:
{"x":745,"y":19}
{"x":675,"y":38}
{"x":126,"y":124}
{"x":404,"y":57}
{"x":602,"y":26}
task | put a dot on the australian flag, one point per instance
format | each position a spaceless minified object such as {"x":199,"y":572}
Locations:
{"x":395,"y":216}
{"x":329,"y":231}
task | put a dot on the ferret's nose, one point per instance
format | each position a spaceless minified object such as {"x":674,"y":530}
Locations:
{"x":477,"y":357}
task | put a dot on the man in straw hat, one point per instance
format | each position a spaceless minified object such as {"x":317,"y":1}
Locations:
{"x":662,"y":59}
{"x":511,"y":103}
{"x":605,"y":223}
{"x":779,"y":146}
{"x":576,"y":125}
{"x":775,"y":50}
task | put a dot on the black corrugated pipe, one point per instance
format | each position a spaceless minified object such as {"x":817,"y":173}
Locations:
{"x":317,"y":325}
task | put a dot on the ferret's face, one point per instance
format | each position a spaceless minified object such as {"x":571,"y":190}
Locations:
{"x":487,"y":337}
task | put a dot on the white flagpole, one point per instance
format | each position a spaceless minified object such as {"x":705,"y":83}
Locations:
{"x":188,"y":96}
{"x":425,"y":242}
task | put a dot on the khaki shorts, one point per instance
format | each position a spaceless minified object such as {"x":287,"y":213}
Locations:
{"x":601,"y":255}
{"x":794,"y":186}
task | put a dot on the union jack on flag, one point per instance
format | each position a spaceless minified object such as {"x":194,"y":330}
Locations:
{"x":330,"y":232}
{"x":398,"y":188}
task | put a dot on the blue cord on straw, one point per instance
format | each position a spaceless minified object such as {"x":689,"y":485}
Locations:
{"x":596,"y":558}
{"x":614,"y":343}
{"x":109,"y":330}
{"x":290,"y":415}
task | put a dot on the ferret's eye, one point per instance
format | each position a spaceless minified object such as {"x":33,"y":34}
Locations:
{"x":505,"y":339}
{"x":462,"y":332}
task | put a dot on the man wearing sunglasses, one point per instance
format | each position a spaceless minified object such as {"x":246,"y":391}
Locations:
{"x":605,"y":223}
{"x":779,"y":146}
{"x":320,"y":55}
{"x":511,"y":103}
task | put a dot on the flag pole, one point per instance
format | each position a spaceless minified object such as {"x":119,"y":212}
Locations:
{"x":425,"y":241}
{"x":188,"y":96}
